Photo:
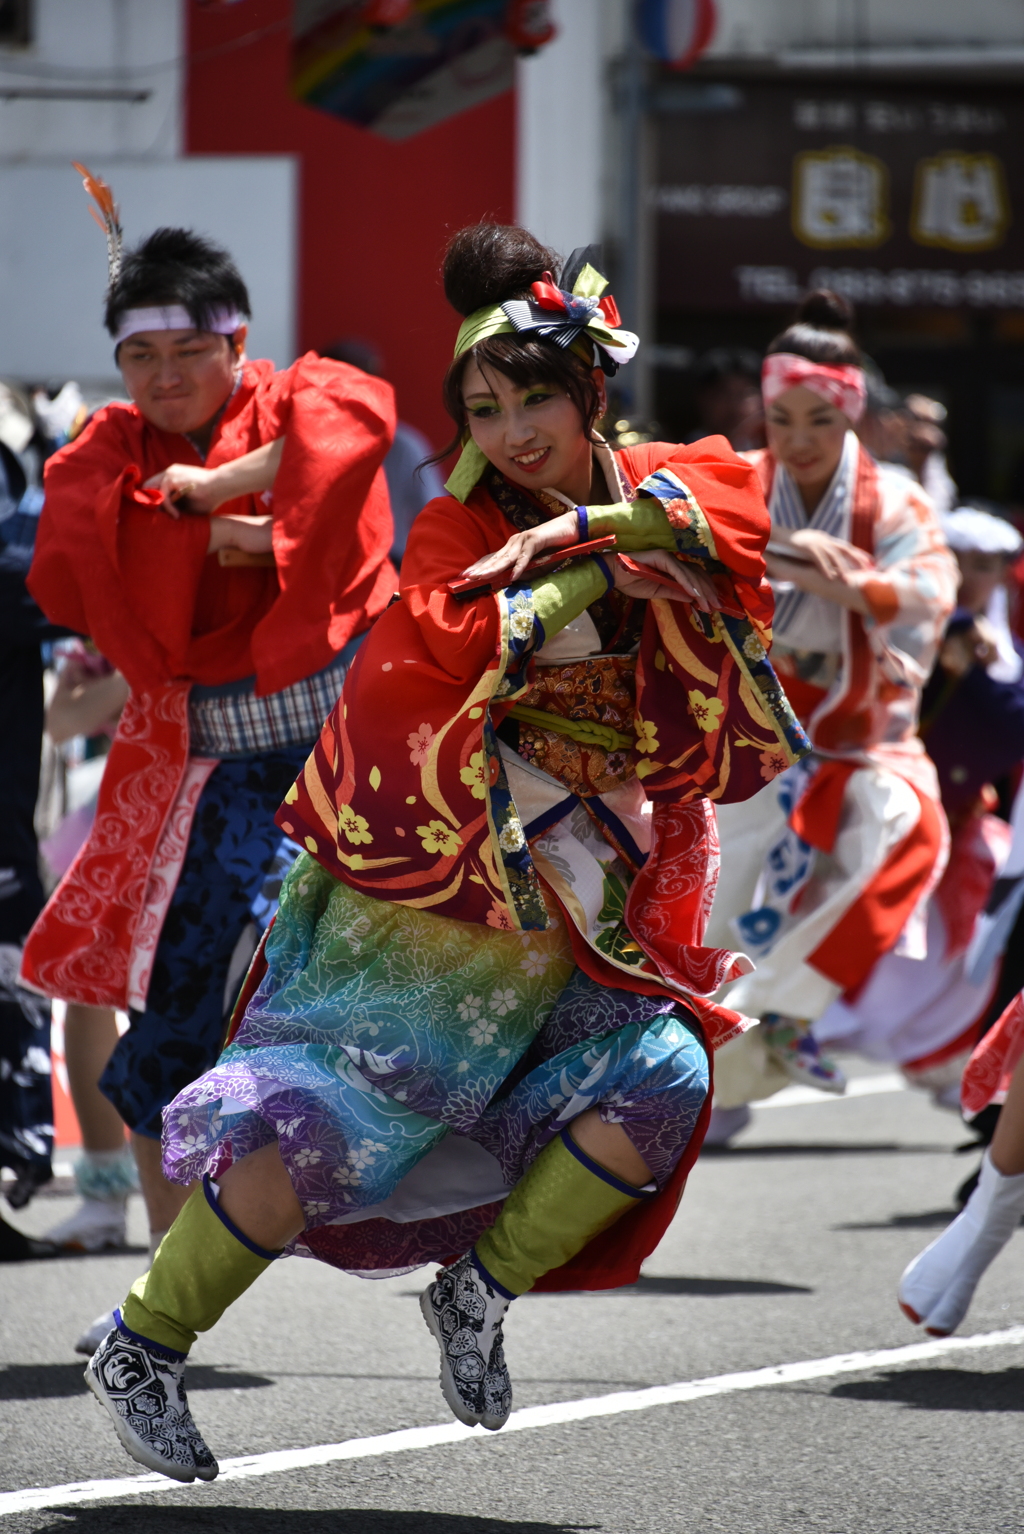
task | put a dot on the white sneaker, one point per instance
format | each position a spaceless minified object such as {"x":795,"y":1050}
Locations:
{"x":793,"y":1046}
{"x":89,"y":1341}
{"x":938,"y":1286}
{"x":97,"y":1225}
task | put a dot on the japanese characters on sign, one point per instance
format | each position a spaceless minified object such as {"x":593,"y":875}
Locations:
{"x":899,"y":198}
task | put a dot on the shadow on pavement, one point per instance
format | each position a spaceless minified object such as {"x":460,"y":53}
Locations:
{"x":253,"y":1520}
{"x":645,"y":1285}
{"x":48,"y":1382}
{"x":930,"y":1219}
{"x":828,"y":1148}
{"x":941,"y":1389}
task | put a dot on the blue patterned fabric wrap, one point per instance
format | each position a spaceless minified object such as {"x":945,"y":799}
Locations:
{"x":377,"y":1028}
{"x":234,"y":864}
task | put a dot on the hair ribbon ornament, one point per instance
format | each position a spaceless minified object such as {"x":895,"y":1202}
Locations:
{"x":577,"y":313}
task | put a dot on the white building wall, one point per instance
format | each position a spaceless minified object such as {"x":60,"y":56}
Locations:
{"x":560,"y":131}
{"x":97,"y":46}
{"x":52,"y":256}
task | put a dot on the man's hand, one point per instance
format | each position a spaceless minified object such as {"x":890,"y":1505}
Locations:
{"x":187,"y":487}
{"x":974,"y":646}
{"x":521,"y":548}
{"x":253,"y":534}
{"x":694,"y":586}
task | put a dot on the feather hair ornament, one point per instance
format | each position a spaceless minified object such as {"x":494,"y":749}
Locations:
{"x":109,"y":222}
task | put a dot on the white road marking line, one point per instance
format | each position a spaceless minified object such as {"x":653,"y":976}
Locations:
{"x":860,"y":1086}
{"x":244,"y":1468}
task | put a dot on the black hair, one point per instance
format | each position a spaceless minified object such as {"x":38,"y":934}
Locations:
{"x":822,"y":331}
{"x":490,"y":264}
{"x":175,"y":266}
{"x":726,"y":362}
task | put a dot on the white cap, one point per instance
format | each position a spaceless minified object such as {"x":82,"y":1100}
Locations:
{"x":968,"y":530}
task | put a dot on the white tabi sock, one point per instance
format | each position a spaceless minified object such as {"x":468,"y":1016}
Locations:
{"x":939,"y":1284}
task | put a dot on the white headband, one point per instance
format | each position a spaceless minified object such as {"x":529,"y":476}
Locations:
{"x":223,"y":322}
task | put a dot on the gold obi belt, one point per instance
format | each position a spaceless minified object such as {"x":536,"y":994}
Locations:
{"x":576,"y":723}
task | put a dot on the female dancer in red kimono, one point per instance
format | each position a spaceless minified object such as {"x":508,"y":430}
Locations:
{"x":233,"y":627}
{"x":480,"y":1029}
{"x":831,"y":867}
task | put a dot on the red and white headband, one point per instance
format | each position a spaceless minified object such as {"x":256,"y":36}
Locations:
{"x":223,"y":322}
{"x":842,"y":387}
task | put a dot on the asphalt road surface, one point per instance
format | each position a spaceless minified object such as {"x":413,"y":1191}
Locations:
{"x":785,"y":1251}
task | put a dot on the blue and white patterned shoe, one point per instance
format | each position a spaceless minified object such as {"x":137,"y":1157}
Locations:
{"x":143,"y":1391}
{"x":464,"y":1315}
{"x":793,"y":1046}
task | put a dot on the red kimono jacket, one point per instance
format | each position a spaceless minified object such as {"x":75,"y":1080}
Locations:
{"x":109,"y":563}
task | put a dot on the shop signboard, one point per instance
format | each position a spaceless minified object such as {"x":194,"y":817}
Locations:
{"x":902,"y":197}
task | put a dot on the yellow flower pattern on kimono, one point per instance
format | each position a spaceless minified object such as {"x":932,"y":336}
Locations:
{"x":474,"y":776}
{"x":353,"y":826}
{"x":707,"y":712}
{"x":646,"y":735}
{"x":439,"y":839}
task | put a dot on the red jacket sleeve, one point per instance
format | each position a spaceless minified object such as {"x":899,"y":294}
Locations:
{"x":446,"y":537}
{"x":727,"y":489}
{"x":332,"y":515}
{"x":729,"y":492}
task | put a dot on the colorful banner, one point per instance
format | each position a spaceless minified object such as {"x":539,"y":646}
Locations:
{"x":400,"y":77}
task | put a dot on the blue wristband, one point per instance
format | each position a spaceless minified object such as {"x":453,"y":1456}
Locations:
{"x":602,"y":565}
{"x":584,"y":522}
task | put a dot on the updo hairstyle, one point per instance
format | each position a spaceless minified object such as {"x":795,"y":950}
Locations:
{"x":487,"y":264}
{"x":822,"y":331}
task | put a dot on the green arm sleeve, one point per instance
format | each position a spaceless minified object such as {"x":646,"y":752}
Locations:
{"x":559,"y":598}
{"x":640,"y":525}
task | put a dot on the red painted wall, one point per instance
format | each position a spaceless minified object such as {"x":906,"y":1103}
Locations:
{"x":373,"y":216}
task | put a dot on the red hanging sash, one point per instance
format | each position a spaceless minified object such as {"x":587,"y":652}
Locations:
{"x":83,"y":946}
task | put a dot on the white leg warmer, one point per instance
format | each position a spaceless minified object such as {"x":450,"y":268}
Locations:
{"x":938,"y":1286}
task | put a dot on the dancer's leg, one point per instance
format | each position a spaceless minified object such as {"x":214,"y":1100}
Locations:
{"x":105,"y":1170}
{"x":164,"y":1200}
{"x":938,"y":1286}
{"x":204,"y":1263}
{"x":1007,"y":1149}
{"x":654,"y":1081}
{"x":90,"y":1037}
{"x":610,"y":1146}
{"x":563,"y":1201}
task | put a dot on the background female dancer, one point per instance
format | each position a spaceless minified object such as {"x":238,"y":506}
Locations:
{"x":486,"y":973}
{"x":830,"y":867}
